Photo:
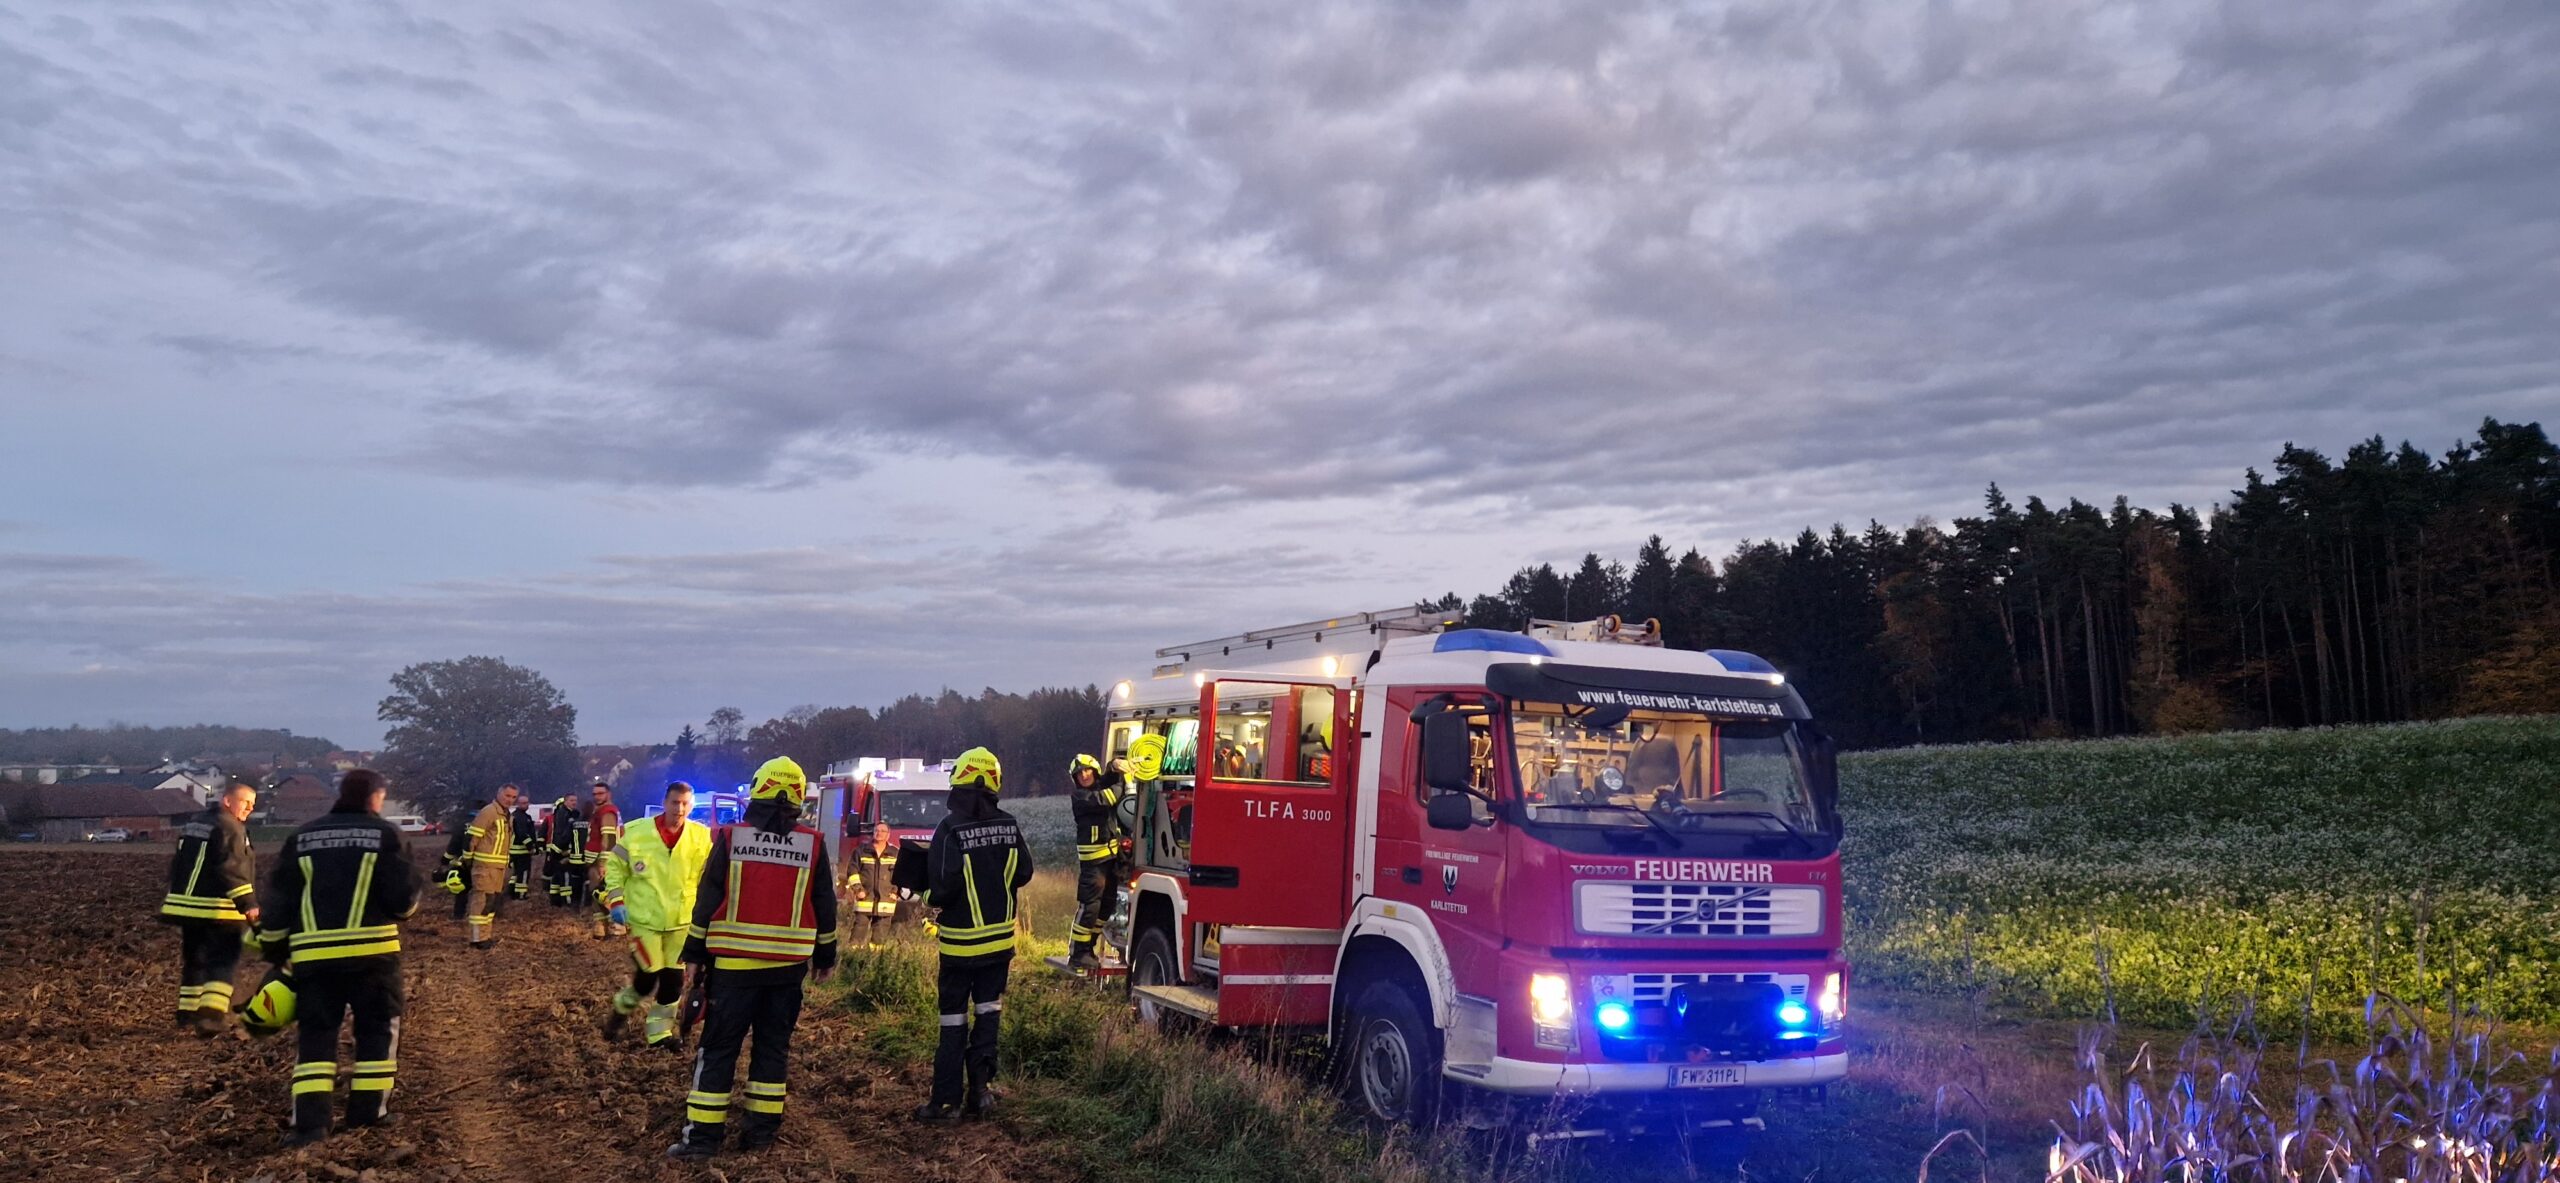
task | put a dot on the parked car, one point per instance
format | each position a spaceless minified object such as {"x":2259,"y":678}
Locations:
{"x":411,"y":823}
{"x":29,"y":836}
{"x":112,"y":834}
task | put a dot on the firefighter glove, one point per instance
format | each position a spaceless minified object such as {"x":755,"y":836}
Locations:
{"x":620,"y":914}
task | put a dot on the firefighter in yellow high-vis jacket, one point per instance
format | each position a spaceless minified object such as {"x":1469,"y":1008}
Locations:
{"x":649,"y":881}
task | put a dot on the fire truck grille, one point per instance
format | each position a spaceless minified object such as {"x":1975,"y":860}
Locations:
{"x":1697,"y":910}
{"x":1656,"y":988}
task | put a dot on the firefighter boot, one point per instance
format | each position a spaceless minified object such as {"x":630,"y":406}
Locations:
{"x":596,"y":929}
{"x":981,"y":1102}
{"x":937,"y":1114}
{"x":658,"y":1031}
{"x":625,"y":1001}
{"x":369,"y":1094}
{"x":311,"y":1104}
{"x":763,"y":1121}
{"x":1082,"y":960}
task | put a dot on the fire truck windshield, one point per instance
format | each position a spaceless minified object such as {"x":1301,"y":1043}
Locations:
{"x":1675,"y":773}
{"x":911,"y":809}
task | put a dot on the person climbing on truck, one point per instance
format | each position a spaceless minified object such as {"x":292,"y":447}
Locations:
{"x":1099,"y":864}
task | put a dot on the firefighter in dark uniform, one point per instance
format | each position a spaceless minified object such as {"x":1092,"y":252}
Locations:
{"x":212,"y":881}
{"x":522,"y":842}
{"x":875,"y":898}
{"x":978,"y":864}
{"x":332,"y":909}
{"x":564,"y":840}
{"x":764,"y":921}
{"x":457,"y":858}
{"x":1098,"y":792}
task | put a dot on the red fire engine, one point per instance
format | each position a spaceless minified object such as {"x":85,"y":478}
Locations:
{"x":1491,"y":865}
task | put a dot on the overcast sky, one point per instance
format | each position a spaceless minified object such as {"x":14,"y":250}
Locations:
{"x":761,"y":354}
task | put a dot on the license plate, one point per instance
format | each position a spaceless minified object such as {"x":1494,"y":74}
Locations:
{"x":1705,"y":1076}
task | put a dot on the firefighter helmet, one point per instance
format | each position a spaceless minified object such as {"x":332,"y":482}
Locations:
{"x":977,"y":768}
{"x":270,"y":1009}
{"x":1083,"y":763}
{"x":781,"y":778}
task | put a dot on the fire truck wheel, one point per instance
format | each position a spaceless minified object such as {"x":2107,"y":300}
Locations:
{"x":1151,"y":963}
{"x":1391,"y":1071}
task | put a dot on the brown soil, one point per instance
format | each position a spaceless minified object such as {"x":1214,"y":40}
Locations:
{"x":504,"y":1067}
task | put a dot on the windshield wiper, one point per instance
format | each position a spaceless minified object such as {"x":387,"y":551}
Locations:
{"x":1800,"y":836}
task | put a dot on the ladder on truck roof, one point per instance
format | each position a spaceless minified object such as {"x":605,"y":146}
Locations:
{"x":1381,"y":624}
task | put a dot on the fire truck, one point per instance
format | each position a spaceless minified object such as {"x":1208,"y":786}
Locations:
{"x":1492,"y":868}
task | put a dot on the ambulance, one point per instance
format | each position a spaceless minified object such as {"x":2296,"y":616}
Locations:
{"x":1566,"y":869}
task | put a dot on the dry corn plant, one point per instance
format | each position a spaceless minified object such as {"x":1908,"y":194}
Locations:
{"x":2415,"y":1108}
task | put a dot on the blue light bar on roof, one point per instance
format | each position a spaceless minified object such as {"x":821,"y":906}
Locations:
{"x":1740,"y":662}
{"x":1485,"y":640}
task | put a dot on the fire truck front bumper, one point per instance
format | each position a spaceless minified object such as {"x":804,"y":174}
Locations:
{"x":1526,"y":1077}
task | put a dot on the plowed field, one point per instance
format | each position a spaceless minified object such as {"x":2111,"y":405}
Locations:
{"x":504,"y":1070}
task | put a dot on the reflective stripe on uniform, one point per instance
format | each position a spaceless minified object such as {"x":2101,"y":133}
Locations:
{"x":706,"y":1108}
{"x":763,"y":1097}
{"x":314,"y":1077}
{"x":373,"y":1076}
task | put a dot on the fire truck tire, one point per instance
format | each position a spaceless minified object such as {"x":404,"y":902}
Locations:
{"x":1391,"y":1057}
{"x":1151,"y":963}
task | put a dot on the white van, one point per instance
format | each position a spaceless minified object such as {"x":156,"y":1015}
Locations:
{"x":410,"y":823}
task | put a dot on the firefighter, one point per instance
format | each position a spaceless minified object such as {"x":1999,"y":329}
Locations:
{"x":487,"y":842}
{"x":212,"y":900}
{"x":764,"y":920}
{"x":875,"y":899}
{"x":604,"y":831}
{"x":978,"y":864}
{"x":564,"y":837}
{"x":649,"y":881}
{"x":341,"y":886}
{"x":457,"y":858}
{"x":524,"y":839}
{"x":1098,"y":869}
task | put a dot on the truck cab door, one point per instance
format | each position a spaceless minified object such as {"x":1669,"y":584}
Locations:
{"x":1271,"y":816}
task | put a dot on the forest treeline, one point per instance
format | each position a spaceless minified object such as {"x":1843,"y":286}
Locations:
{"x":123,"y":744}
{"x":1034,"y":735}
{"x":2389,"y":585}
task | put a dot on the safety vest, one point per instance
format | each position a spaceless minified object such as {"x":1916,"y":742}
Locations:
{"x":765,"y":914}
{"x":656,"y":881}
{"x":604,"y":830}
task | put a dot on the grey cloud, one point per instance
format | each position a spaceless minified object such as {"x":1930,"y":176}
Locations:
{"x":1528,"y":253}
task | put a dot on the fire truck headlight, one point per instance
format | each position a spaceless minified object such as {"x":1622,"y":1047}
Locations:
{"x":1551,"y":1000}
{"x":1614,"y":1017}
{"x":1834,"y":1002}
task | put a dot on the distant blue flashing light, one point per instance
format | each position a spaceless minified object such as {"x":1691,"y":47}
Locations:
{"x":1742,"y":663}
{"x":1485,"y":640}
{"x":1615,"y":1017}
{"x":1793,"y":1014}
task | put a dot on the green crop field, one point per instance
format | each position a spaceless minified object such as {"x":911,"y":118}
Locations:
{"x":2178,"y":877}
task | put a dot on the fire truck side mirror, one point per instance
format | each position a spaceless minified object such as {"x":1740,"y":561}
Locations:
{"x":1450,"y":811}
{"x":1446,"y":754}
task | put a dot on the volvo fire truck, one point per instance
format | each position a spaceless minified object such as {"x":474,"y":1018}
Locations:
{"x":1494,"y":868}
